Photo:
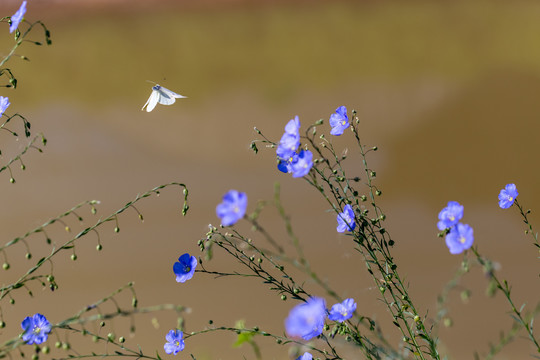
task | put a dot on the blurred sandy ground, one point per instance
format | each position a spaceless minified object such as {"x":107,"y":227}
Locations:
{"x":448,"y":91}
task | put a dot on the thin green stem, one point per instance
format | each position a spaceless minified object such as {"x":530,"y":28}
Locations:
{"x":506,"y":290}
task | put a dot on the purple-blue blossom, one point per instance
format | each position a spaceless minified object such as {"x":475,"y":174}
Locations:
{"x":342,"y":311}
{"x":175,"y":342}
{"x":293,"y":126}
{"x":303,"y":164}
{"x":339,"y":121}
{"x":36,"y":329}
{"x":17,"y":17}
{"x":345,"y":219}
{"x":450,"y":215}
{"x":184,"y":268}
{"x":306,"y":320}
{"x":286,"y":164}
{"x":288,"y":145}
{"x":306,"y":356}
{"x":4,"y":103}
{"x":460,"y":238}
{"x":232,"y":208}
{"x":290,"y":141}
{"x":507,"y":196}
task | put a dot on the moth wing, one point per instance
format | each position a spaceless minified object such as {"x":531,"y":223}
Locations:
{"x":152,"y":101}
{"x":172,"y":94}
{"x":165,"y":97}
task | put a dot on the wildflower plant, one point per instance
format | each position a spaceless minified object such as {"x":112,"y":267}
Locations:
{"x":310,"y":329}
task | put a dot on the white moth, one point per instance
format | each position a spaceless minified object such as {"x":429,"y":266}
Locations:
{"x":161,"y":95}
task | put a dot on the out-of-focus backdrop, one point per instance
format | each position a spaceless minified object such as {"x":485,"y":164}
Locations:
{"x":448,"y":91}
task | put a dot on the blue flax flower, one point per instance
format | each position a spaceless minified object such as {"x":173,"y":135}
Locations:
{"x":342,"y":311}
{"x":307,"y":319}
{"x":4,"y":103}
{"x":232,"y":208}
{"x":306,"y":356}
{"x":507,"y":196}
{"x":339,"y":121}
{"x":290,"y":141}
{"x":175,"y":342}
{"x":285,"y":165}
{"x":303,"y":164}
{"x":450,"y":215}
{"x":36,"y":329}
{"x":293,"y":126}
{"x":17,"y":17}
{"x":345,"y":219}
{"x":460,"y":238}
{"x":287,"y":146}
{"x":184,"y":268}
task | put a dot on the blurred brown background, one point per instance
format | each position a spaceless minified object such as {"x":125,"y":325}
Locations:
{"x":449,"y":91}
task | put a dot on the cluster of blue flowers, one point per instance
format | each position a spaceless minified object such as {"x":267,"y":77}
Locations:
{"x":290,"y":159}
{"x":459,"y":237}
{"x":306,"y":320}
{"x":299,"y":162}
